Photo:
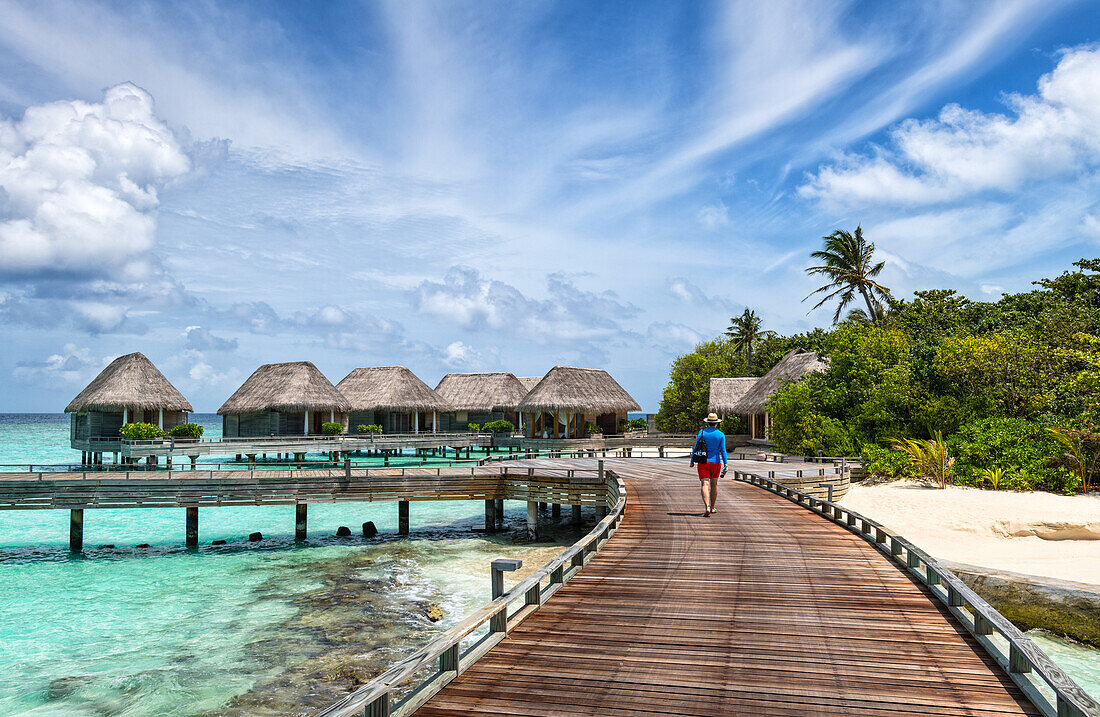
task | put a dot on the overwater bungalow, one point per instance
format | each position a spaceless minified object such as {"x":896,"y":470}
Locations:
{"x":392,"y":397}
{"x":129,"y":390}
{"x":479,"y":398}
{"x":283,"y":399}
{"x":792,"y":367}
{"x":567,"y":398}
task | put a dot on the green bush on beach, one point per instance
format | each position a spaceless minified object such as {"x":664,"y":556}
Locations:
{"x":140,"y":431}
{"x":186,"y":430}
{"x":332,"y":429}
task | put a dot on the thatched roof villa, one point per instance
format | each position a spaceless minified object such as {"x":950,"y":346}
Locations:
{"x":792,"y":367}
{"x":391,"y":397}
{"x":726,"y":393}
{"x":567,"y":397}
{"x":479,"y":398}
{"x":529,"y":382}
{"x":129,"y":390}
{"x":283,"y":399}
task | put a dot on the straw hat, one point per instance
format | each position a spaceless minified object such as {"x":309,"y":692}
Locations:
{"x":712,"y":418}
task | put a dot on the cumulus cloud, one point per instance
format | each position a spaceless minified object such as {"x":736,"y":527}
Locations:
{"x":72,"y":365}
{"x":962,"y":152}
{"x":472,"y":301}
{"x":80,"y":183}
{"x":201,"y":339}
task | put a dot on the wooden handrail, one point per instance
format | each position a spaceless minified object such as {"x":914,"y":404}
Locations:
{"x":376,"y":697}
{"x":1023,"y":657}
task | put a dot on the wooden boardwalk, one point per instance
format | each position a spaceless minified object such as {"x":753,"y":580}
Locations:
{"x":761,"y":609}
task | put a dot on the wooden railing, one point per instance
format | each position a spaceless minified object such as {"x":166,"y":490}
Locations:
{"x":381,"y":697}
{"x":1050,"y":689}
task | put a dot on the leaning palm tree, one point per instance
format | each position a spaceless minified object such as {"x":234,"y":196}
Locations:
{"x":847,"y":261}
{"x":745,"y":332}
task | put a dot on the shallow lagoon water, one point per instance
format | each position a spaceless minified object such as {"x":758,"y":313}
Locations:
{"x":246,"y":628}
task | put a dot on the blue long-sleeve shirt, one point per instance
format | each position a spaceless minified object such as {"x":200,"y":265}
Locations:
{"x":716,"y":445}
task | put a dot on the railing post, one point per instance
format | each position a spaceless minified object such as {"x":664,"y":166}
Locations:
{"x":498,"y":567}
{"x":448,"y":661}
{"x":379,"y":707}
{"x":1016,"y":661}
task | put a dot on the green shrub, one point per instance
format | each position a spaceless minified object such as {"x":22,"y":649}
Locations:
{"x":637,"y":424}
{"x":473,"y":427}
{"x":500,"y":426}
{"x":186,"y":430}
{"x":361,"y":428}
{"x":372,"y":428}
{"x":140,"y":431}
{"x":808,"y":432}
{"x":886,"y":462}
{"x":332,"y":429}
{"x":1023,"y":449}
{"x":591,"y":428}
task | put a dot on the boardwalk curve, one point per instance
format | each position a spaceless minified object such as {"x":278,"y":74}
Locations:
{"x":760,"y":609}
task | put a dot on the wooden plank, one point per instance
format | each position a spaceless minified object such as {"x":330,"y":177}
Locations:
{"x":762,"y":608}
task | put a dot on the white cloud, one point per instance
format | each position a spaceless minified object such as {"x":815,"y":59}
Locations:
{"x":962,"y":152}
{"x":714,"y":215}
{"x":79,"y":183}
{"x":202,"y":339}
{"x":466,"y":298}
{"x":672,"y":337}
{"x":71,"y":366}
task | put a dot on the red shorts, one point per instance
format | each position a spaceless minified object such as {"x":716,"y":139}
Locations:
{"x":708,"y":470}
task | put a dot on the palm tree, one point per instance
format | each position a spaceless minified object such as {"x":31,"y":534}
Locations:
{"x":745,"y":331}
{"x":847,"y":263}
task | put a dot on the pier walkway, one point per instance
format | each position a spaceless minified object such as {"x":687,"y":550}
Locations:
{"x":762,"y":609}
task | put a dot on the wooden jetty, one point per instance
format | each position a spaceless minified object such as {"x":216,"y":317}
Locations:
{"x":780,"y":604}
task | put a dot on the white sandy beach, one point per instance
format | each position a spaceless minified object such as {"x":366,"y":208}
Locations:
{"x":1035,"y":533}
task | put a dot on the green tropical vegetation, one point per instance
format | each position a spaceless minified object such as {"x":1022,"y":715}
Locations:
{"x":140,"y":431}
{"x":1002,"y":394}
{"x":499,"y":426}
{"x":368,"y":428}
{"x":332,"y":429}
{"x":186,"y":430}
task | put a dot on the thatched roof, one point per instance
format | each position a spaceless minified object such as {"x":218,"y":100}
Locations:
{"x":481,"y":392}
{"x":293,"y":386}
{"x":726,"y":392}
{"x":792,"y":367}
{"x":130,"y":381}
{"x":389,"y":388}
{"x":588,"y":390}
{"x":529,"y":382}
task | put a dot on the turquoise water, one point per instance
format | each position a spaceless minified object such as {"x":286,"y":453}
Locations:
{"x":247,"y":628}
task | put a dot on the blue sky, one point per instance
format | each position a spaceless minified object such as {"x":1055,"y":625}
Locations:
{"x":508,"y":186}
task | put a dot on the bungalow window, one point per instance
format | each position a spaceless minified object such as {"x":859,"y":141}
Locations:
{"x":462,"y":416}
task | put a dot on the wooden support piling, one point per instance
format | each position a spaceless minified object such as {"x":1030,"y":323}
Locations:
{"x":490,"y":515}
{"x":192,"y":533}
{"x":533,"y":518}
{"x":555,"y":511}
{"x":300,"y":521}
{"x":76,"y":530}
{"x":402,"y":517}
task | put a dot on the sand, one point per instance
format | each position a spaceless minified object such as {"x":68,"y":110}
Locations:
{"x":1034,"y":533}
